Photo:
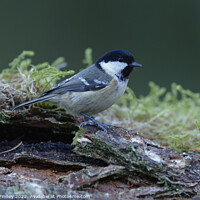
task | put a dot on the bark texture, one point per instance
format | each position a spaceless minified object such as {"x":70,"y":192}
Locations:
{"x":37,"y":158}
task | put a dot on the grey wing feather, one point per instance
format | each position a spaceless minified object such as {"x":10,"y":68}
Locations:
{"x":89,"y":79}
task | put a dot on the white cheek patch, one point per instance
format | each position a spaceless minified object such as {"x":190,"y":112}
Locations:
{"x":113,"y":67}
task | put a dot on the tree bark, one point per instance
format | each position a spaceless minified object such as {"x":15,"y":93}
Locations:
{"x":36,"y":148}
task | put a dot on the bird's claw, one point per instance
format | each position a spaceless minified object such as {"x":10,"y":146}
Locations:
{"x":97,"y":124}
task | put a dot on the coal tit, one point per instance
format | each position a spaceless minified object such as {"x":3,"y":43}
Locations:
{"x":94,"y":89}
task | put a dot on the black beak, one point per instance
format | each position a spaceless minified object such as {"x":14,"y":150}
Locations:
{"x":135,"y":64}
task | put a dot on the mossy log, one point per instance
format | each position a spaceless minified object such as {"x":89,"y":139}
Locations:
{"x":37,"y":158}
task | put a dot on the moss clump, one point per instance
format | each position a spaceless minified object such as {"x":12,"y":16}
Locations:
{"x":88,"y":57}
{"x":169,"y":117}
{"x":23,"y":81}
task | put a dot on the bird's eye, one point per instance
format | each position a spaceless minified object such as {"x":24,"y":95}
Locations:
{"x":120,"y":59}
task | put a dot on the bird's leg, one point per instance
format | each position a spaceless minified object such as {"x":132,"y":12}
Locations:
{"x":94,"y":123}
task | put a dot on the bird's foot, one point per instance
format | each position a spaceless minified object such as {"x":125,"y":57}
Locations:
{"x":94,"y":122}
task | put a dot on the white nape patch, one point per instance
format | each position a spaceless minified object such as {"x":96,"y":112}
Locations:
{"x":100,"y":82}
{"x":113,"y":67}
{"x":83,"y":80}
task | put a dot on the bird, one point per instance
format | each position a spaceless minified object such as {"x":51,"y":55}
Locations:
{"x":93,"y":89}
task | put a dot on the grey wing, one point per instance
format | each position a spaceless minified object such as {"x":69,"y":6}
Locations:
{"x":89,"y":79}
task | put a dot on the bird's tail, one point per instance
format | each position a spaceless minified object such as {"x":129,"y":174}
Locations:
{"x":33,"y":101}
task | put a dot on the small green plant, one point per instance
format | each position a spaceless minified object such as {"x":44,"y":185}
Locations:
{"x":88,"y":57}
{"x":80,"y":132}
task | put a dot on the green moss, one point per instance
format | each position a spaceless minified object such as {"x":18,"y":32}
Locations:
{"x":88,"y":57}
{"x":78,"y":133}
{"x":4,"y":118}
{"x":23,"y":80}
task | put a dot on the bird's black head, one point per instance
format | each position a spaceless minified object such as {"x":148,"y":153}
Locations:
{"x":117,"y":62}
{"x":117,"y":55}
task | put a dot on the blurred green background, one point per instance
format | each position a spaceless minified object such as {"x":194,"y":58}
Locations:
{"x":163,"y":35}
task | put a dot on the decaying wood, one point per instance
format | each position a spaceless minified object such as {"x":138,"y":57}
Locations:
{"x":118,"y":165}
